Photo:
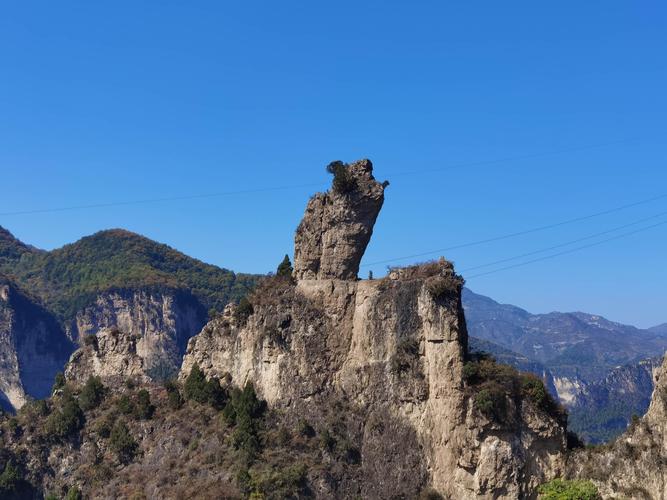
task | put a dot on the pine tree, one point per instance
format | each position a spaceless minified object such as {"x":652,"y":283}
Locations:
{"x":285,"y":268}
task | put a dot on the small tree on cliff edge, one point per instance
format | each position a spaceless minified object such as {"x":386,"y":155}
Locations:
{"x":285,"y":268}
{"x":343,"y":181}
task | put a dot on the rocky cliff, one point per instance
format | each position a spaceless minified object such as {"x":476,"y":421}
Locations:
{"x":33,"y":348}
{"x":338,"y":224}
{"x":110,"y":354}
{"x":392,"y":353}
{"x":162,"y":322}
{"x":635,"y":465}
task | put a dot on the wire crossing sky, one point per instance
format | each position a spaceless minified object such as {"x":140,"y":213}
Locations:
{"x":207,"y":125}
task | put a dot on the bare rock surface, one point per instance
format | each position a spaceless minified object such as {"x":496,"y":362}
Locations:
{"x":388,"y":355}
{"x":337,"y":227}
{"x":109,"y":354}
{"x":33,"y":348}
{"x":635,"y":465}
{"x":162,"y":322}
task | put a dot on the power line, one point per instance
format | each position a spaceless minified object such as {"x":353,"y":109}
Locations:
{"x":159,"y":200}
{"x":567,"y":251}
{"x":312,"y":184}
{"x":571,"y":242}
{"x":520,"y":233}
{"x":517,"y":158}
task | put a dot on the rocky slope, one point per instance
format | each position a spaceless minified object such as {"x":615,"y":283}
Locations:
{"x":163,"y":322}
{"x":393,"y":351}
{"x":33,"y":347}
{"x":605,"y":408}
{"x":635,"y":465}
{"x":113,"y":279}
{"x":584,"y":355}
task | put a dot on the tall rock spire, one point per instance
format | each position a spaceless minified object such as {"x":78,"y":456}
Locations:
{"x":338,"y":224}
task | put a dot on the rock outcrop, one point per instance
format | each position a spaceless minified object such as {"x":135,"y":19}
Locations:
{"x":109,"y":354}
{"x":381,"y":359}
{"x":337,"y":226}
{"x":162,"y":322}
{"x":33,"y":348}
{"x":635,"y":465}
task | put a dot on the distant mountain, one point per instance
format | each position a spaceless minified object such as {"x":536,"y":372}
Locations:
{"x":71,"y":277}
{"x":112,"y":279}
{"x":577,"y":348}
{"x":33,"y":347}
{"x":660,"y":329}
{"x":600,"y":369}
{"x":604,"y":408}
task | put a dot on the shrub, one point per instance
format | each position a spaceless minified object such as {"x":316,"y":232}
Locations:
{"x":444,"y":286}
{"x":90,"y":340}
{"x":243,"y":311}
{"x":144,"y":409}
{"x":560,"y":489}
{"x":492,"y":402}
{"x":74,"y":493}
{"x":285,"y":268}
{"x":125,"y":404}
{"x":327,"y":441}
{"x":343,"y":181}
{"x":92,"y":393}
{"x":122,"y":442}
{"x":198,"y":389}
{"x":66,"y":419}
{"x":407,"y":351}
{"x":287,"y":482}
{"x":470,"y":372}
{"x":9,"y":479}
{"x":305,"y":429}
{"x":174,"y":398}
{"x":195,"y":385}
{"x":430,"y":494}
{"x":104,"y":426}
{"x":58,"y":383}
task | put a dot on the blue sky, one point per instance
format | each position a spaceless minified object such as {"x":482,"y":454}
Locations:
{"x":138,"y":100}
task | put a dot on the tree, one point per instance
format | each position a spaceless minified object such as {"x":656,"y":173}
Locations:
{"x":122,"y":442}
{"x":92,"y":393}
{"x":59,"y":382}
{"x":195,"y":385}
{"x":74,"y":493}
{"x":9,"y":479}
{"x":285,"y":268}
{"x":343,"y":181}
{"x":144,"y":408}
{"x":66,"y":419}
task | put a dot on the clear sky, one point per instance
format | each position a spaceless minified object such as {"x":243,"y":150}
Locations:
{"x":120,"y":101}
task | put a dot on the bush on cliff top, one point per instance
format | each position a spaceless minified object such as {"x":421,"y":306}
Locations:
{"x":493,"y":386}
{"x":560,"y":489}
{"x":343,"y":182}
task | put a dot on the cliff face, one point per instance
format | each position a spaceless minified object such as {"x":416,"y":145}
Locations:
{"x":337,"y":226}
{"x":109,"y":354}
{"x":635,"y":465}
{"x":162,"y":323}
{"x":603,"y":409}
{"x":391,"y":353}
{"x":33,"y":348}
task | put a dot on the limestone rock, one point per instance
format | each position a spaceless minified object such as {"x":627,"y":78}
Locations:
{"x":163,"y":322}
{"x":635,"y":465}
{"x":337,"y":227}
{"x":381,"y":359}
{"x":33,"y":348}
{"x":111,"y":355}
